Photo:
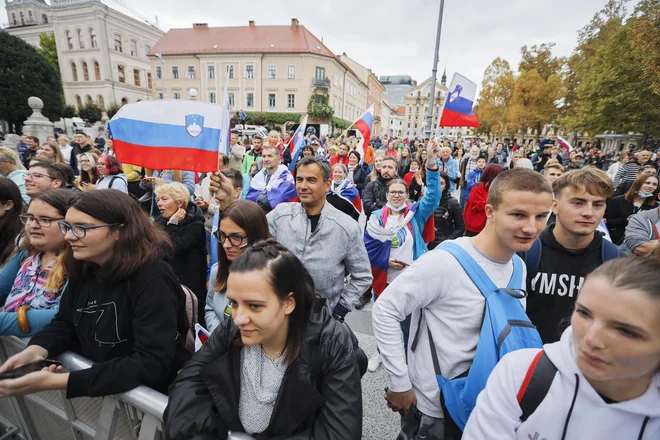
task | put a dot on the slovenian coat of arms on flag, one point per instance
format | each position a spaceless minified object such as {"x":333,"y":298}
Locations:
{"x":457,"y":111}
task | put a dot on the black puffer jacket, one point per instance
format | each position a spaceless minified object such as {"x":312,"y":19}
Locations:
{"x":449,"y":223}
{"x":320,"y":397}
{"x":360,"y":176}
{"x":374,"y":196}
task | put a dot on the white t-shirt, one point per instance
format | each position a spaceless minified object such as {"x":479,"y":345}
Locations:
{"x":402,"y":246}
{"x":66,"y":153}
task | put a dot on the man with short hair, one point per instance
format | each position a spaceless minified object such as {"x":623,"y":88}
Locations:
{"x":576,"y":161}
{"x":227,"y":186}
{"x":32,"y":143}
{"x":254,"y":155}
{"x":374,"y":194}
{"x":553,"y":172}
{"x":236,"y":154}
{"x":42,"y":177}
{"x":328,"y":242}
{"x":628,"y":171}
{"x":273,"y":184}
{"x":568,"y":250}
{"x":445,"y":302}
{"x":11,"y":167}
{"x":81,"y":144}
{"x":501,"y":154}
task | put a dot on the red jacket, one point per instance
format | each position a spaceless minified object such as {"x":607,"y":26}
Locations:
{"x":335,"y":160}
{"x":475,"y":209}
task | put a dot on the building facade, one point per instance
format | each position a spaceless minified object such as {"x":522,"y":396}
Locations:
{"x":267,"y":69}
{"x":102,"y":52}
{"x":396,"y":88}
{"x":376,"y":92}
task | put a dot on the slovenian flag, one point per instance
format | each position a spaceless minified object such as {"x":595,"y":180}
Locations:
{"x":169,"y":134}
{"x":201,"y":335}
{"x":564,"y":144}
{"x":349,"y":192}
{"x":457,"y":111}
{"x":280,"y":188}
{"x":365,"y":125}
{"x":296,"y":143}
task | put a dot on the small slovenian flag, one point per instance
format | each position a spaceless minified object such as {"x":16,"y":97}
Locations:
{"x":564,"y":144}
{"x":457,"y":111}
{"x":201,"y":335}
{"x":296,"y":143}
{"x":348,"y":192}
{"x":365,"y":125}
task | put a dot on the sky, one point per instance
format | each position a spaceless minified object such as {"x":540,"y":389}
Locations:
{"x":396,"y":37}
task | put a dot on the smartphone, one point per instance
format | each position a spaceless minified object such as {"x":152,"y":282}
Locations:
{"x":28,"y":368}
{"x":413,"y":409}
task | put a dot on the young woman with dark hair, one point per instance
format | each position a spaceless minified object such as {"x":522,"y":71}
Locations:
{"x":11,"y":207}
{"x":449,"y":224}
{"x":475,"y":207}
{"x":357,"y":173}
{"x":111,"y":175}
{"x":282,"y":367}
{"x":242,"y":224}
{"x":34,"y":296}
{"x":642,"y":196}
{"x":123,"y":306}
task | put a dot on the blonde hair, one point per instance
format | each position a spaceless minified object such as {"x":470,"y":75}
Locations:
{"x":594,"y":181}
{"x":57,"y":275}
{"x":554,"y":163}
{"x":177,"y":190}
{"x":66,"y":139}
{"x":56,"y":148}
{"x":9,"y":155}
{"x":374,"y":173}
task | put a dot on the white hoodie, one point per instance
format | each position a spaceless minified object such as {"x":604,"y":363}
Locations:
{"x":497,"y":414}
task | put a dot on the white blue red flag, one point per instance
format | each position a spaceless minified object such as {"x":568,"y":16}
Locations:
{"x":297,"y":142}
{"x":201,"y":335}
{"x":564,"y":144}
{"x":169,"y":135}
{"x":349,"y":192}
{"x":280,"y":187}
{"x":457,"y":111}
{"x":365,"y":125}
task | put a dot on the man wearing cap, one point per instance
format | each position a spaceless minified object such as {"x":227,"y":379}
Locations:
{"x":576,"y":161}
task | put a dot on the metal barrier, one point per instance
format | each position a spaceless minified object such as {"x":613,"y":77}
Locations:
{"x":49,"y":415}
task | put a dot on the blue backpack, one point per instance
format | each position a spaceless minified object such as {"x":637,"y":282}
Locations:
{"x":505,"y":328}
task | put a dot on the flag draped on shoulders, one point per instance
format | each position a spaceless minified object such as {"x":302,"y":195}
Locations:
{"x":280,"y":187}
{"x":347,"y":191}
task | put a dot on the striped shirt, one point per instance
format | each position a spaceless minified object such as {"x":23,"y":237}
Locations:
{"x":627,"y":172}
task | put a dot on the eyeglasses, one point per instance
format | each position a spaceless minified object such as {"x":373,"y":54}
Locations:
{"x":234,"y":239}
{"x":44,"y":222}
{"x":397,"y":193}
{"x":33,"y":176}
{"x":81,"y":231}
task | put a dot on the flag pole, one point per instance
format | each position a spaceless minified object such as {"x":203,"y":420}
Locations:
{"x":434,"y":75}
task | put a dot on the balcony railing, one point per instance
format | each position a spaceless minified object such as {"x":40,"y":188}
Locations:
{"x":321,"y":83}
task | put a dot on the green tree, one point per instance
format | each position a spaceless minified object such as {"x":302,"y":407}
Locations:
{"x":69,"y":111}
{"x":540,"y":58}
{"x":645,"y":33}
{"x":24,"y":73}
{"x":48,"y":49}
{"x":319,"y":109}
{"x":113,"y":109}
{"x":496,"y":92}
{"x":91,"y":113}
{"x":533,"y":101}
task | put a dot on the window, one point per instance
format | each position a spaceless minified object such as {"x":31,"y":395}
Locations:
{"x":271,"y":72}
{"x":97,"y":71}
{"x":250,"y":99}
{"x":122,"y":74}
{"x":320,"y":73}
{"x":212,"y":97}
{"x":101,"y":101}
{"x":149,"y":82}
{"x":336,"y":79}
{"x":92,"y":39}
{"x":230,"y":71}
{"x":175,"y":72}
{"x":124,"y":100}
{"x":30,"y":20}
{"x":134,"y":51}
{"x":22,"y":19}
{"x":78,"y":101}
{"x":136,"y":77}
{"x":69,"y":40}
{"x":74,"y":71}
{"x":118,"y":47}
{"x":232,"y":99}
{"x":13,"y":18}
{"x":89,"y":100}
{"x":176,"y":95}
{"x":211,"y":72}
{"x":161,"y":95}
{"x":190,"y":73}
{"x":44,"y":19}
{"x":291,"y":100}
{"x":292,"y":72}
{"x":147,"y":49}
{"x":159,"y":72}
{"x":249,"y":71}
{"x":85,"y":71}
{"x":271,"y":100}
{"x":81,"y":39}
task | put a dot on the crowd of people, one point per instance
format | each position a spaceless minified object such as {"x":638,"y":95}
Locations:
{"x":271,"y":252}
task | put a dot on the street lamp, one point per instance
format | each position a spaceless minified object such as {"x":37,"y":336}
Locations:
{"x":162,"y":71}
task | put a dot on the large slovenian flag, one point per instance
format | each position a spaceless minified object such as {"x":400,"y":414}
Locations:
{"x":348,"y":192}
{"x":296,"y":143}
{"x":457,"y":111}
{"x":564,"y":144}
{"x":169,"y":135}
{"x":280,"y":188}
{"x":365,"y":125}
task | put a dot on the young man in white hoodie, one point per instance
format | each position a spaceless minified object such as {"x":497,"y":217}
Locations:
{"x":604,"y":380}
{"x":441,"y":296}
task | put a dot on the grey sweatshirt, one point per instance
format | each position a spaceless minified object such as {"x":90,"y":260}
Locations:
{"x":640,"y":228}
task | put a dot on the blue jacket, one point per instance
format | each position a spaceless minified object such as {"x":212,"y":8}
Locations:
{"x":451,"y":168}
{"x":472,"y":180}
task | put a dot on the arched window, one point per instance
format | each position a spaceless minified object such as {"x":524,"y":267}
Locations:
{"x":30,"y":20}
{"x":92,"y":38}
{"x":69,"y":40}
{"x":118,"y":46}
{"x":149,"y":83}
{"x":124,"y":101}
{"x":85,"y":71}
{"x":81,"y":39}
{"x":121,"y":71}
{"x":22,"y":19}
{"x":74,"y":71}
{"x":101,"y":102}
{"x":97,"y":71}
{"x":89,"y":100}
{"x":44,"y":19}
{"x":79,"y":101}
{"x":13,"y":19}
{"x":136,"y":77}
{"x":134,"y":51}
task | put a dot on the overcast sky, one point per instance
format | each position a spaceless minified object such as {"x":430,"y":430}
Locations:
{"x":397,"y":37}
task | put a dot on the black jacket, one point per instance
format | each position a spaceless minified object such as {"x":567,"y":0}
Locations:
{"x":360,"y":177}
{"x":554,"y":288}
{"x":374,"y":196}
{"x":320,"y":397}
{"x":132,"y":337}
{"x":449,"y":223}
{"x":343,"y":205}
{"x":188,"y":260}
{"x":616,"y":216}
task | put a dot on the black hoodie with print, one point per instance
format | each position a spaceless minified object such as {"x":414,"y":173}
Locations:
{"x":553,"y":289}
{"x":129,"y":328}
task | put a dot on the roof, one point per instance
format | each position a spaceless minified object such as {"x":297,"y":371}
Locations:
{"x":401,"y":110}
{"x":240,"y":39}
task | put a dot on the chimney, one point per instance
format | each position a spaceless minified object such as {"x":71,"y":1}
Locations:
{"x":294,"y":23}
{"x":252,"y":23}
{"x":200,"y":25}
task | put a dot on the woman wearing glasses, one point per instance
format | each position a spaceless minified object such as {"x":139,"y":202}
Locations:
{"x":34,"y":296}
{"x":242,"y":224}
{"x":88,"y":172}
{"x":123,"y":306}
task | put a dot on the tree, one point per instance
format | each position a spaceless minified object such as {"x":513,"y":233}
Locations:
{"x":319,"y":109}
{"x":48,"y":49}
{"x":113,"y":109}
{"x":91,"y":113}
{"x":495,"y":97}
{"x":540,"y":58}
{"x":24,"y":73}
{"x":645,"y":33}
{"x":69,"y":111}
{"x":533,"y":101}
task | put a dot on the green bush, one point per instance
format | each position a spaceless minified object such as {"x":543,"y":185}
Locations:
{"x":69,"y":111}
{"x":91,"y":113}
{"x":319,"y":109}
{"x":340,"y":123}
{"x":113,"y":109}
{"x":264,"y":118}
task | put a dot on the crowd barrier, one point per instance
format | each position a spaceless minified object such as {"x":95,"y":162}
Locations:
{"x":49,"y":415}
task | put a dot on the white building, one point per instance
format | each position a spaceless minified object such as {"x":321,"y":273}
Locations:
{"x":102,"y":52}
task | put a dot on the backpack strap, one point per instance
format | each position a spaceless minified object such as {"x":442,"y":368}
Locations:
{"x":112,"y":180}
{"x":608,"y":251}
{"x":533,"y":257}
{"x":536,"y":384}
